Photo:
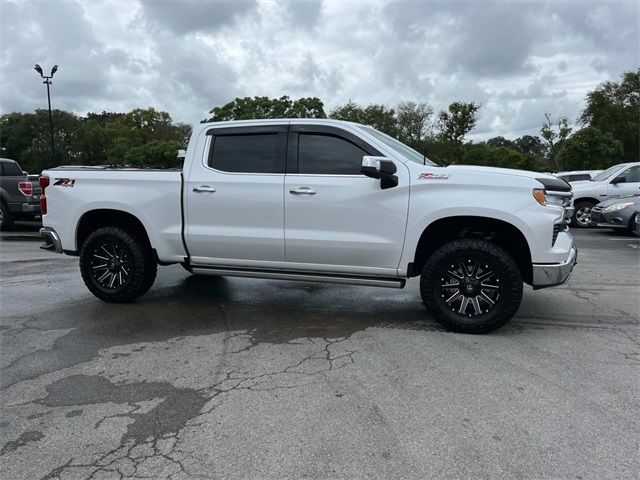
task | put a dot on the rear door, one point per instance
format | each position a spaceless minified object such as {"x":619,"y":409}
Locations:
{"x":336,"y":219}
{"x":234,"y":197}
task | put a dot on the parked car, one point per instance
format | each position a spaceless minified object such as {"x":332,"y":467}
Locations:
{"x":636,"y":223}
{"x":19,"y":194}
{"x":617,"y":213}
{"x":323,"y":201}
{"x":617,"y":181}
{"x":577,"y":175}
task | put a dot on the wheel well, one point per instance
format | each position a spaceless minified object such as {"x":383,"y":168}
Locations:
{"x":586,"y":199}
{"x":502,"y":233}
{"x":95,"y":219}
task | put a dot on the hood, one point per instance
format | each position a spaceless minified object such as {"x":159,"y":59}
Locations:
{"x":635,"y":199}
{"x":502,"y":171}
{"x":584,"y":184}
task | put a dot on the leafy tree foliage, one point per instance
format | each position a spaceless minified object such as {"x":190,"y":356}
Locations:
{"x":589,"y":149}
{"x":378,"y":116}
{"x":498,"y":156}
{"x":554,"y":135}
{"x":413,"y":123}
{"x":248,"y":108}
{"x":614,"y":108}
{"x":456,"y":122}
{"x":530,"y":145}
{"x":98,"y":138}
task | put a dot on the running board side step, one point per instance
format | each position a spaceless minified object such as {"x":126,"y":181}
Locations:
{"x":302,"y":276}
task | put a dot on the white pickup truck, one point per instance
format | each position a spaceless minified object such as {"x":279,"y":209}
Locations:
{"x":321,"y":201}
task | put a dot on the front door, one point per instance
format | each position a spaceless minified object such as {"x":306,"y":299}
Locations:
{"x":336,"y":219}
{"x":630,"y":185}
{"x":234,"y":197}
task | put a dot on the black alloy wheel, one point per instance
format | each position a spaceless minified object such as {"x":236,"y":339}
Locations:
{"x":471,"y":286}
{"x":116,"y":265}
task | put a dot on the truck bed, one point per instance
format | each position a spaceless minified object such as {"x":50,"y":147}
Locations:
{"x":154,"y":196}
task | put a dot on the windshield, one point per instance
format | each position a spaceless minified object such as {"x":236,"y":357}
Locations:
{"x":602,"y":176}
{"x":404,"y":150}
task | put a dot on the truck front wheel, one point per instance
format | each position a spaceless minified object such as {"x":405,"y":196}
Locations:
{"x":116,"y":265}
{"x":471,"y":286}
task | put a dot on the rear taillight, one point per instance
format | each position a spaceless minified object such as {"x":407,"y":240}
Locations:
{"x":25,"y":188}
{"x":44,"y":182}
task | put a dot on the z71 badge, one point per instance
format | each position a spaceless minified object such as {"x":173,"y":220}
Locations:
{"x":65,"y":182}
{"x":432,"y":176}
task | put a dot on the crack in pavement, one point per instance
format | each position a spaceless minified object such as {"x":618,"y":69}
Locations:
{"x":150,"y":446}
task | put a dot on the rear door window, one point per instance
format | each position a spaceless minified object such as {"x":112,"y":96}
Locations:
{"x":248,"y":153}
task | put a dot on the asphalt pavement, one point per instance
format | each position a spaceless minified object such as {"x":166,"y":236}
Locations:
{"x":208,"y":377}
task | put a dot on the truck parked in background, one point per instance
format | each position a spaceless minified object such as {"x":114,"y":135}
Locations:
{"x":19,"y":194}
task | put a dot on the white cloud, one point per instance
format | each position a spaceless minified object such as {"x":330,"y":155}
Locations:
{"x":518,"y":59}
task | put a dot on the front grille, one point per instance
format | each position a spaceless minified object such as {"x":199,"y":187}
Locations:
{"x":557,"y":228}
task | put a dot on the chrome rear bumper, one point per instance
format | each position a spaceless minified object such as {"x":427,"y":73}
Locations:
{"x":50,"y":240}
{"x":551,"y":275}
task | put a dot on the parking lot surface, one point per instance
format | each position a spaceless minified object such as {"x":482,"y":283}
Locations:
{"x":210,"y":377}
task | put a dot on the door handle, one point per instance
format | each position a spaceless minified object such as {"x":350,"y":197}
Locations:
{"x":302,"y":191}
{"x":204,"y":189}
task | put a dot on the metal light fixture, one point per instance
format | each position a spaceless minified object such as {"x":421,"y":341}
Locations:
{"x":47,"y":82}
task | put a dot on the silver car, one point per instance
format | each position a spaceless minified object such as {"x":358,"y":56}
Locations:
{"x":617,"y":213}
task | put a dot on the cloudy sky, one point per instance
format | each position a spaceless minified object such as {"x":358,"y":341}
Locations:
{"x":519,"y":59}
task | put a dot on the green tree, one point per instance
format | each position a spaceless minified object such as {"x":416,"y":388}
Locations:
{"x":498,"y":156}
{"x":15,"y":134}
{"x":500,"y":142}
{"x":376,"y":115}
{"x":614,"y":108}
{"x":554,"y":135}
{"x":456,"y":122}
{"x":156,"y":153}
{"x":530,"y":145}
{"x":589,"y":149}
{"x":248,"y":108}
{"x":413,"y":123}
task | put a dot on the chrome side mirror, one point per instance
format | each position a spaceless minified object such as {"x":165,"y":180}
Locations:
{"x":381,"y":168}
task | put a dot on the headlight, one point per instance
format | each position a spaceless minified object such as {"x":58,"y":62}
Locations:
{"x":548,"y":198}
{"x":617,"y":206}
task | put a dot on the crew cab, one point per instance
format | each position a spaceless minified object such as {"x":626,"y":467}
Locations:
{"x":19,"y":194}
{"x":323,"y":201}
{"x":617,"y":181}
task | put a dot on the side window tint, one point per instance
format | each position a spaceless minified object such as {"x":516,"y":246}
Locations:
{"x":327,"y":154}
{"x":632,"y":174}
{"x":11,"y":169}
{"x":250,"y":153}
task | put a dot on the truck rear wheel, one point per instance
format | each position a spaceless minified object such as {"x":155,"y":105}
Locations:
{"x":117,"y":266}
{"x":6,"y":217}
{"x":471,"y":286}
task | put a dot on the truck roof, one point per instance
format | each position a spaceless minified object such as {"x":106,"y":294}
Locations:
{"x":316,"y":121}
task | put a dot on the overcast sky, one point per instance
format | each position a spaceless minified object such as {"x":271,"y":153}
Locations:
{"x":519,"y":59}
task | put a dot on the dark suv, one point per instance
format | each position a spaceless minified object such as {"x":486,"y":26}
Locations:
{"x":19,"y":194}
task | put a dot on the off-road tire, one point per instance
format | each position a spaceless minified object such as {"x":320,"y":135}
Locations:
{"x":6,"y":217}
{"x":435,"y":276}
{"x":141,"y":261}
{"x":579,"y":207}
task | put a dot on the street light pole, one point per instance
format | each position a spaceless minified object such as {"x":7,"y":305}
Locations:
{"x":47,"y":82}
